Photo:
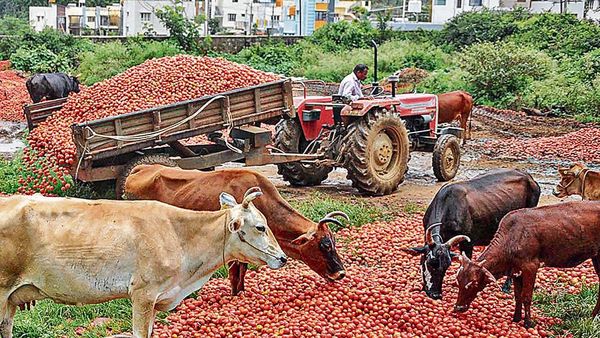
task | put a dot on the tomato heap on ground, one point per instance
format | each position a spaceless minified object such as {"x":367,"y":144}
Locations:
{"x":154,"y":83}
{"x":380,"y":297}
{"x":13,"y":95}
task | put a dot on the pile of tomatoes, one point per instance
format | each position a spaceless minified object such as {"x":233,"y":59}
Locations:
{"x":154,"y":83}
{"x":380,"y":297}
{"x":13,"y":95}
{"x":580,"y":145}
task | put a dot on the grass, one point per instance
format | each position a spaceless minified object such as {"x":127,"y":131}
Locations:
{"x":48,"y":319}
{"x":9,"y":174}
{"x":318,"y":205}
{"x":574,"y":310}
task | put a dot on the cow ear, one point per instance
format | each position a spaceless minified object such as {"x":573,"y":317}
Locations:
{"x":227,"y":201}
{"x":415,"y":251}
{"x":304,"y":238}
{"x":454,"y":257}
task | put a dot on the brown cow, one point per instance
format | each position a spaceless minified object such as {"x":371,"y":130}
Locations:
{"x":299,"y":237}
{"x":561,"y":236}
{"x":578,"y":180}
{"x":456,"y":105}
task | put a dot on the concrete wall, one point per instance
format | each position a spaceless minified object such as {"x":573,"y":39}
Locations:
{"x":444,"y":10}
{"x":554,"y":7}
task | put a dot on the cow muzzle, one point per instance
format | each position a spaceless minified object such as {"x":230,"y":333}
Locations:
{"x":277,"y":262}
{"x":461,"y":308}
{"x":338,"y":275}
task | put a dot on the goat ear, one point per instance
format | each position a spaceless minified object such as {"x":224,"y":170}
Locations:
{"x":304,"y":238}
{"x":227,"y":201}
{"x":415,"y":251}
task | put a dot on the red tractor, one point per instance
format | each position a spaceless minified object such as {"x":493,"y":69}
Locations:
{"x":372,"y":139}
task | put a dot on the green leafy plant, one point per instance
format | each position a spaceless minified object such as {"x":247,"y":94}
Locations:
{"x":186,"y":32}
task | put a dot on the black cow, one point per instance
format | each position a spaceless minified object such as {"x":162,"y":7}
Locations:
{"x":469,"y":213}
{"x":51,"y":86}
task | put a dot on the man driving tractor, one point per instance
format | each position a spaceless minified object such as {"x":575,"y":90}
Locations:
{"x":351,"y":86}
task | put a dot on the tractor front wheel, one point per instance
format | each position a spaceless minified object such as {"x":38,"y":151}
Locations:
{"x":446,"y":157}
{"x":290,"y":138}
{"x":378,"y":151}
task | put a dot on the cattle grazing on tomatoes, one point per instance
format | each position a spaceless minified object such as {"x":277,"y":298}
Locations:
{"x":561,"y":235}
{"x":51,"y":86}
{"x":468,"y":213}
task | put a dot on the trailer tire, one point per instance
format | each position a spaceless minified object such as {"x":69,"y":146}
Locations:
{"x":163,"y":159}
{"x":377,"y":153}
{"x":289,"y":138}
{"x":446,"y":157}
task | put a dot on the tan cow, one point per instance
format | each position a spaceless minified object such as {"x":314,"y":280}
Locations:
{"x":578,"y":180}
{"x":456,"y":105}
{"x":77,"y":251}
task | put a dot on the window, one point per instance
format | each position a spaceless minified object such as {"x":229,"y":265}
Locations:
{"x":243,"y":15}
{"x":234,"y":0}
{"x":458,"y":3}
{"x":321,"y":16}
{"x":145,"y":17}
{"x":274,"y":17}
{"x":439,"y":2}
{"x":231,"y":17}
{"x":475,"y":3}
{"x":40,"y":18}
{"x":91,"y":19}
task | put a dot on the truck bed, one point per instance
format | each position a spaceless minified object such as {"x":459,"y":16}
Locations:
{"x":113,"y":136}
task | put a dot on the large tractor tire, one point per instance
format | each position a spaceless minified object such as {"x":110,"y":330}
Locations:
{"x":446,"y":157}
{"x":289,"y":138}
{"x":163,"y":159}
{"x":377,"y":153}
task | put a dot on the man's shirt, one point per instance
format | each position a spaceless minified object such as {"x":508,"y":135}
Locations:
{"x":351,"y":86}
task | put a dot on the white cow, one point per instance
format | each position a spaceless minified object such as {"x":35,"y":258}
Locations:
{"x":77,"y":251}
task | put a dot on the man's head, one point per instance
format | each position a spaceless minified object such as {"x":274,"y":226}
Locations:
{"x":361,"y":70}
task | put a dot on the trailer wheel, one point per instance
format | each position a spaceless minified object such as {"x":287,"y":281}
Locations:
{"x":163,"y":159}
{"x":446,"y":157}
{"x":378,"y":152}
{"x":289,"y":138}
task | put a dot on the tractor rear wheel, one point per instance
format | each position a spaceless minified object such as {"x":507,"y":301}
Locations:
{"x":163,"y":159}
{"x":446,"y":157}
{"x":289,"y":138}
{"x":377,"y":153}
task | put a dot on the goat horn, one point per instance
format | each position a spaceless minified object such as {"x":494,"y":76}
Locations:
{"x":457,"y":239}
{"x":331,"y":220}
{"x":428,"y":236}
{"x":249,"y":198}
{"x":251,"y":190}
{"x":337,"y":213}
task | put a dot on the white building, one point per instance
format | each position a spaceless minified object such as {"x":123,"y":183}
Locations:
{"x":444,"y":10}
{"x":245,"y":16}
{"x":52,"y":16}
{"x":139,"y":16}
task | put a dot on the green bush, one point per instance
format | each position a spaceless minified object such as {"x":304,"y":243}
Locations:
{"x":486,"y":25}
{"x":109,"y":59}
{"x":40,"y":60}
{"x":560,"y":35}
{"x":444,"y":80}
{"x":392,"y":56}
{"x":13,"y":26}
{"x":344,"y":35}
{"x":498,"y":72}
{"x":271,"y":57}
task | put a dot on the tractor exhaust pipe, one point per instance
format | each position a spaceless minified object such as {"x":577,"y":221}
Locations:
{"x":393,"y":80}
{"x":375,"y":83}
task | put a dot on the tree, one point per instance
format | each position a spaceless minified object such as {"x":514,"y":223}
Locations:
{"x":186,"y":32}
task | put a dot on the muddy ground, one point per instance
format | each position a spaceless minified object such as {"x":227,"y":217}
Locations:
{"x":420,"y":184}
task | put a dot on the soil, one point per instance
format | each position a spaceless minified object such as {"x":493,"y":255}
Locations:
{"x":420,"y":184}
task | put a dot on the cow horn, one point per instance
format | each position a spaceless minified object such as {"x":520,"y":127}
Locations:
{"x":249,"y":197}
{"x":330,"y":220}
{"x":251,"y":190}
{"x":428,"y":236}
{"x":337,"y":213}
{"x":457,"y":239}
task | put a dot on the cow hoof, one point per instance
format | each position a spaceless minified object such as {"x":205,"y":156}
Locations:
{"x":517,"y":319}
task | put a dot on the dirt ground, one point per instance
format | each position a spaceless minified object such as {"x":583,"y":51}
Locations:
{"x":420,"y":185}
